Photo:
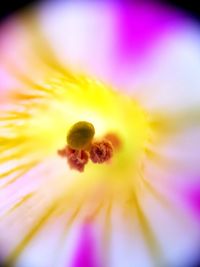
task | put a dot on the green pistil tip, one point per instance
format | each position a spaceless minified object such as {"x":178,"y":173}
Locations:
{"x":80,"y":135}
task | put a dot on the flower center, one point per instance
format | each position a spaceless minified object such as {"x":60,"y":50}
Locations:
{"x":90,"y":111}
{"x":102,"y":115}
{"x":106,"y":130}
{"x":80,"y":146}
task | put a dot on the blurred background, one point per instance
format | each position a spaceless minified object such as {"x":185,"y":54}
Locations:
{"x":192,"y":7}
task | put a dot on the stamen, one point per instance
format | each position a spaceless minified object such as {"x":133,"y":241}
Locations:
{"x":101,"y":151}
{"x":62,"y":152}
{"x":114,"y":139}
{"x":80,"y":146}
{"x":77,"y":159}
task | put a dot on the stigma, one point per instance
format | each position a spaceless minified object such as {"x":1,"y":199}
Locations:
{"x":80,"y":135}
{"x":82,"y":146}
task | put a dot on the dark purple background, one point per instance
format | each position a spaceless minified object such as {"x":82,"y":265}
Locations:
{"x":191,"y":6}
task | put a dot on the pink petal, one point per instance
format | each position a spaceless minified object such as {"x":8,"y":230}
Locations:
{"x":141,"y":26}
{"x":192,"y":198}
{"x":86,"y":254}
{"x":108,"y":39}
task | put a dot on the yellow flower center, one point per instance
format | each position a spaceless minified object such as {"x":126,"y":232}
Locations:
{"x":46,"y":115}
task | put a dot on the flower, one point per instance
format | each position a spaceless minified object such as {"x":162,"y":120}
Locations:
{"x":131,"y":70}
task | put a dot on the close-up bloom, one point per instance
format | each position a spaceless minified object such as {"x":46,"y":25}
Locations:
{"x":99,"y":136}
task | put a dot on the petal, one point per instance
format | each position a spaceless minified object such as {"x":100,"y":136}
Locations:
{"x":126,"y":242}
{"x":54,"y":245}
{"x":173,"y":77}
{"x":109,"y":40}
{"x":85,"y":255}
{"x":177,"y":233}
{"x":191,"y":197}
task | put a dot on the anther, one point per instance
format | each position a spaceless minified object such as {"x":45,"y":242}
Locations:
{"x":101,"y":152}
{"x":114,"y":139}
{"x":62,"y":152}
{"x":76,"y":159}
{"x":81,"y":147}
